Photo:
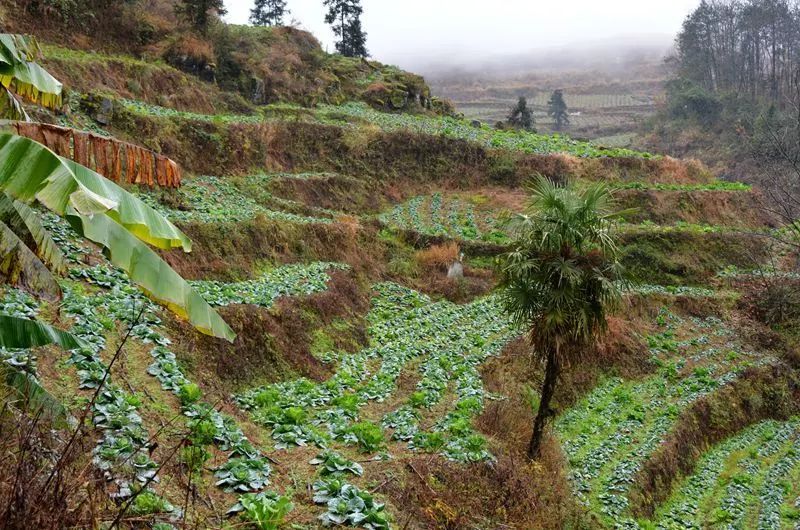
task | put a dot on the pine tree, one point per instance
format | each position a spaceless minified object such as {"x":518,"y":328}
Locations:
{"x":345,"y":17}
{"x":198,"y":13}
{"x":521,"y":115}
{"x":268,"y":13}
{"x":557,"y":109}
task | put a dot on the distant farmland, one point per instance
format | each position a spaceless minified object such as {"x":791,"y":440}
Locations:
{"x":601,"y":105}
{"x":592,"y":115}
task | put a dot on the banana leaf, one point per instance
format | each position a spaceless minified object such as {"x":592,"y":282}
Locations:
{"x":22,"y":334}
{"x":107,"y":214}
{"x":34,"y":397}
{"x":28,"y":79}
{"x":10,"y":107}
{"x":29,"y":170}
{"x":152,"y":274}
{"x":20,"y":266}
{"x":24,"y":222}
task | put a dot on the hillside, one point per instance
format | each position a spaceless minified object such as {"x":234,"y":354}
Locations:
{"x":326,"y":199}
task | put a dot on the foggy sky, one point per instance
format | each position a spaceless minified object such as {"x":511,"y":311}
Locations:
{"x":413,"y":32}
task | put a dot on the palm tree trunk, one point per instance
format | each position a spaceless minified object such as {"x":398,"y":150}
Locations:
{"x":545,"y":412}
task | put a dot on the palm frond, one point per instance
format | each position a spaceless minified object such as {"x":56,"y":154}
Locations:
{"x":561,"y":275}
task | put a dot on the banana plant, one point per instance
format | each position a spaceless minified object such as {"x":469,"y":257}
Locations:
{"x":21,"y":74}
{"x":22,"y":333}
{"x":18,"y":70}
{"x":104,"y":213}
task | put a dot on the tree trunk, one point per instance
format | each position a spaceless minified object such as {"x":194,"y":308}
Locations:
{"x":545,"y":412}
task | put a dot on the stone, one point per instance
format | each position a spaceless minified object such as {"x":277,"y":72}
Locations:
{"x":456,"y":270}
{"x":105,"y":111}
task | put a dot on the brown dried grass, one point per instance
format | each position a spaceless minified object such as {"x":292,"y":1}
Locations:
{"x":438,"y":257}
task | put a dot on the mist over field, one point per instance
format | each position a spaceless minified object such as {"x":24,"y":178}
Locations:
{"x":422,"y":35}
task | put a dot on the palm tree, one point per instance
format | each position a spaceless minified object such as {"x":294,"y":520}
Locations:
{"x":561,"y":278}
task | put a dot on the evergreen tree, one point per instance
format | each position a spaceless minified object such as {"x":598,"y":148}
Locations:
{"x":345,"y":17}
{"x":521,"y":115}
{"x":557,"y":109}
{"x":561,"y":278}
{"x":268,"y":13}
{"x":198,"y":13}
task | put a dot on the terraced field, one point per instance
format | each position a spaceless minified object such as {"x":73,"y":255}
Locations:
{"x":366,"y":387}
{"x":354,"y":115}
{"x":438,"y":344}
{"x":608,"y":435}
{"x":211,"y":199}
{"x":748,"y":481}
{"x":416,"y":389}
{"x":475,"y":217}
{"x":451,"y":217}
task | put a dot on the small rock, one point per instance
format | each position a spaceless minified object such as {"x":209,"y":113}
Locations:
{"x":105,"y":111}
{"x":456,"y":270}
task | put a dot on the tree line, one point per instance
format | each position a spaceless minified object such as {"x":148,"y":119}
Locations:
{"x":521,"y":115}
{"x":750,"y":47}
{"x":344,"y":16}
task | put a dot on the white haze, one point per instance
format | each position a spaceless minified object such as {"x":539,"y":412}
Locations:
{"x":425,"y":35}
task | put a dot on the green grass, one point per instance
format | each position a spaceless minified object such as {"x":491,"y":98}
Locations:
{"x":719,"y":185}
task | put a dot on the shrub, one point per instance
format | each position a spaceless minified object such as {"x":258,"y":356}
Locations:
{"x":779,"y":303}
{"x":439,"y":256}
